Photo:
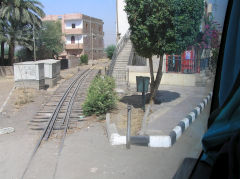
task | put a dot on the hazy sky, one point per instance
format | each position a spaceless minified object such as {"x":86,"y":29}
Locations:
{"x":102,"y":9}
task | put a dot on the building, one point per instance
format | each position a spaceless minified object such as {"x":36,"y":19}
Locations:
{"x":82,"y":35}
{"x":182,"y":69}
{"x":122,"y":24}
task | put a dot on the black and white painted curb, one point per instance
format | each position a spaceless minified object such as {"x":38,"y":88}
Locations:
{"x":157,"y":141}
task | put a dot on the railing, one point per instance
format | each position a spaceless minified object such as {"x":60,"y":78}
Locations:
{"x":178,"y":65}
{"x":138,"y":60}
{"x":121,"y":43}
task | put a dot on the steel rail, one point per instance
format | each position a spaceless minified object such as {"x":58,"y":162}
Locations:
{"x":67,"y":119}
{"x":52,"y":120}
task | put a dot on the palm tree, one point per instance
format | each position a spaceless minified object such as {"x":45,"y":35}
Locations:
{"x":22,"y":16}
{"x":3,"y":38}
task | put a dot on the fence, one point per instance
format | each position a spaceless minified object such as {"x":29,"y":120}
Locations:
{"x":177,"y":65}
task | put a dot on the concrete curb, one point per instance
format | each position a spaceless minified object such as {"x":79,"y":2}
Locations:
{"x":157,"y":141}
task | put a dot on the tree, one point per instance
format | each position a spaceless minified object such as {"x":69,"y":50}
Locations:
{"x":49,"y":41}
{"x":21,"y":16}
{"x":161,"y":27}
{"x":3,"y":38}
{"x":110,"y":50}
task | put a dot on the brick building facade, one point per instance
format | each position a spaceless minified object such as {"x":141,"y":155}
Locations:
{"x":82,"y":35}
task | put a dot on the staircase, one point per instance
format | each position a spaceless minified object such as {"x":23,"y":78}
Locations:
{"x":118,"y":67}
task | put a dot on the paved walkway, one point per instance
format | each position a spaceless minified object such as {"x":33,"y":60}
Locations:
{"x":175,"y":102}
{"x":6,"y":85}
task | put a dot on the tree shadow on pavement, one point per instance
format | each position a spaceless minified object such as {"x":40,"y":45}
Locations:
{"x":162,"y":96}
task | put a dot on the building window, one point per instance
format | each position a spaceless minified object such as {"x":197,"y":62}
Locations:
{"x":72,"y":40}
{"x":86,"y":25}
{"x":73,"y":26}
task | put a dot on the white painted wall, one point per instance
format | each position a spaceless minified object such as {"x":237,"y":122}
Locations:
{"x":78,"y":39}
{"x":123,"y":25}
{"x":78,"y":24}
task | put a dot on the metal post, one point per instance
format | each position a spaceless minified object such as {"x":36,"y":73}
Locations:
{"x":34,"y":45}
{"x":143,"y":95}
{"x":129,"y":111}
{"x":91,"y":35}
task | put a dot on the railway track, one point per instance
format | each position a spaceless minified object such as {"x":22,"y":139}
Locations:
{"x":63,"y":110}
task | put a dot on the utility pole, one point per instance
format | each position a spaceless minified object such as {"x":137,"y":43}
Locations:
{"x":34,"y":45}
{"x":91,"y":36}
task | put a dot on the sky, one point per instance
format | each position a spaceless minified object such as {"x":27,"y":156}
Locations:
{"x":102,"y":9}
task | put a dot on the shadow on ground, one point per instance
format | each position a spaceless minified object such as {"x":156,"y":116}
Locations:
{"x":162,"y":96}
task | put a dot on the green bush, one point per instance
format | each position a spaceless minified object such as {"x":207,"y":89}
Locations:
{"x":101,"y":96}
{"x":84,"y":59}
{"x":110,"y":50}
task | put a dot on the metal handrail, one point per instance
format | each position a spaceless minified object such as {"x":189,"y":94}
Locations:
{"x":121,"y":43}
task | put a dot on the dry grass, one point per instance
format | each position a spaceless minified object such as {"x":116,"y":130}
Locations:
{"x":24,"y":96}
{"x":119,"y":117}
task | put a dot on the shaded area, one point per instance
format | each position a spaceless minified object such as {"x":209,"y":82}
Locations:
{"x":162,"y":96}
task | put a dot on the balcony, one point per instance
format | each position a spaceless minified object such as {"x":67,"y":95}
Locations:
{"x":73,"y":46}
{"x":73,"y":31}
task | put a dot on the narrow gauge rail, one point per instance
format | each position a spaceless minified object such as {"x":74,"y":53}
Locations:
{"x":62,"y":123}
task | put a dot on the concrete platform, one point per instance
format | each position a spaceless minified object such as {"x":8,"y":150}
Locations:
{"x":29,"y":74}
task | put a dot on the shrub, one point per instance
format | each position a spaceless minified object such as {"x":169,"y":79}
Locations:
{"x":84,"y":59}
{"x":110,"y":50}
{"x":101,"y":96}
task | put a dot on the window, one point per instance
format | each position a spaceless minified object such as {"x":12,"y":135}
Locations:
{"x":73,"y":40}
{"x":73,"y":26}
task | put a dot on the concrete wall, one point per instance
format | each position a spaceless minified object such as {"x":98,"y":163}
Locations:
{"x":6,"y":71}
{"x":122,"y":20}
{"x":78,"y":39}
{"x":28,"y":71}
{"x":78,"y":24}
{"x":73,"y":61}
{"x":167,"y":79}
{"x":51,"y":68}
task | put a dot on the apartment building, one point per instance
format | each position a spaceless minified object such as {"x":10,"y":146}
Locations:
{"x":82,"y":34}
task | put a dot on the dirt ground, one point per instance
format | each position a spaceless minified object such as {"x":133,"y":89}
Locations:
{"x":16,"y":147}
{"x":119,"y":117}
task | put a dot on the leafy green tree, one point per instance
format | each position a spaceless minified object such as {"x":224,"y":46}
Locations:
{"x":22,"y":16}
{"x":161,"y":27}
{"x":49,"y":41}
{"x":110,"y":50}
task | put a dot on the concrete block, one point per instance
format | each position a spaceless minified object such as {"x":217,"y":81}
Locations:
{"x":51,"y":68}
{"x":28,"y":71}
{"x":29,"y":74}
{"x":36,"y":84}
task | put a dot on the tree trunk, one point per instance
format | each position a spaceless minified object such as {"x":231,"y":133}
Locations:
{"x":151,"y":74}
{"x":157,"y":80}
{"x":11,"y":51}
{"x":154,"y":87}
{"x":2,"y":53}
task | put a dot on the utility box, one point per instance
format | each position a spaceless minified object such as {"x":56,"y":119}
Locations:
{"x":29,"y":74}
{"x":142,"y":86}
{"x":142,"y":83}
{"x":51,"y":71}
